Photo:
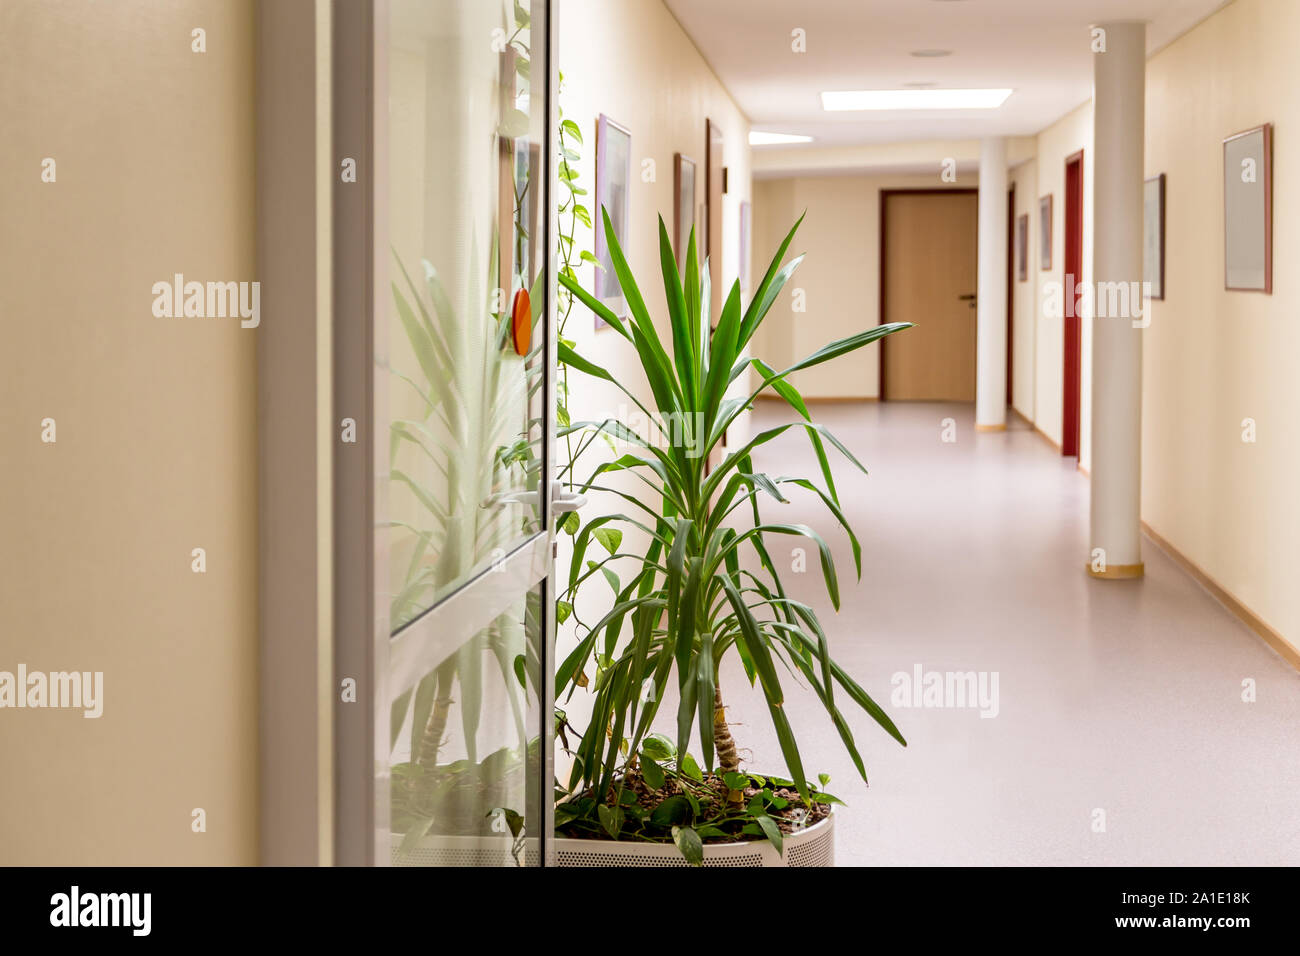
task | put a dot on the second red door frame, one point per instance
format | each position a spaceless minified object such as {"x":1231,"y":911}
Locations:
{"x":1071,"y":397}
{"x":1011,"y":286}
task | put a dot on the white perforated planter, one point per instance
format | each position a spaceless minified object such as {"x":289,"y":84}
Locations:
{"x":479,"y":851}
{"x":814,"y":846}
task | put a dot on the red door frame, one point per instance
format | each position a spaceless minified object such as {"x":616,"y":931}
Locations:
{"x":1073,"y":258}
{"x":1011,"y":287}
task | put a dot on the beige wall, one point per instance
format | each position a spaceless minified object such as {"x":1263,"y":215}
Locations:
{"x":1213,"y":358}
{"x":1063,"y":138}
{"x":840,"y":276}
{"x":775,"y":211}
{"x":631,"y":60}
{"x":156,"y":427}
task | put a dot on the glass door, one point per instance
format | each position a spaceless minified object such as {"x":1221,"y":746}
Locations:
{"x":461,"y":396}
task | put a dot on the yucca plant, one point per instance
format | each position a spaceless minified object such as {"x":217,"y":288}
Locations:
{"x":705,"y":582}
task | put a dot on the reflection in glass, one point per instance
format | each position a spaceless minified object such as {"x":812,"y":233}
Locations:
{"x":464,"y":335}
{"x":466,"y":756}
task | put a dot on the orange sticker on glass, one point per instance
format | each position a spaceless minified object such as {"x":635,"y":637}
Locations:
{"x":521,"y":322}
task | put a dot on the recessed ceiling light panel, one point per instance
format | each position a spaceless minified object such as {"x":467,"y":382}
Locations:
{"x":914,"y":100}
{"x":930,"y":54}
{"x":758,"y":137}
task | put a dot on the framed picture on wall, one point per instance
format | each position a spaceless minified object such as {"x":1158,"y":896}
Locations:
{"x":1153,"y":237}
{"x":746,"y":225}
{"x":1045,"y":232}
{"x":1022,"y":248}
{"x":1248,"y":210}
{"x":683,"y":205}
{"x":613,"y":187}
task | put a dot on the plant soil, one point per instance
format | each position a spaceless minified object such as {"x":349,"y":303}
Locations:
{"x":795,"y":816}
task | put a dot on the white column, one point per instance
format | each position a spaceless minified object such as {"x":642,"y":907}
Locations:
{"x":1119,"y":92}
{"x":991,"y":311}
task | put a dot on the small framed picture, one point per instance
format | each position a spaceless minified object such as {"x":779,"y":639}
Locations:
{"x":613,"y":186}
{"x":1045,"y":232}
{"x":683,"y":205}
{"x":1022,"y":248}
{"x":1153,"y":237}
{"x":1248,"y":210}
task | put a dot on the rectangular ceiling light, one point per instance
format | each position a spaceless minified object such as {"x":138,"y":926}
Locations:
{"x":758,"y":137}
{"x":914,"y":99}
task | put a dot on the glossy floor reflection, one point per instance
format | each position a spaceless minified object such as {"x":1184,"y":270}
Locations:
{"x":1123,"y":697}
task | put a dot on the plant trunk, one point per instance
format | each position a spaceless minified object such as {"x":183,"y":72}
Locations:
{"x":728,"y":758}
{"x":435,"y":730}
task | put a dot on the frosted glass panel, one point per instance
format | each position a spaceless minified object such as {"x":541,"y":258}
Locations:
{"x":465,"y":336}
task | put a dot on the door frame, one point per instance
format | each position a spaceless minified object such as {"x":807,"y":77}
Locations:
{"x":359,"y":50}
{"x":880,"y":318}
{"x":715,"y":145}
{"x":365,"y":648}
{"x":1072,"y":334}
{"x":295,"y":438}
{"x":1011,"y":290}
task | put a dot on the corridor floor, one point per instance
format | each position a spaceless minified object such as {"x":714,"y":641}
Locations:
{"x":1121,"y":736}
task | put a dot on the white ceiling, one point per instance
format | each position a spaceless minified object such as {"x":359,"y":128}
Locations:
{"x":1038,"y":48}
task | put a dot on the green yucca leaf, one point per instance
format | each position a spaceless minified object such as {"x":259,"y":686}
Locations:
{"x":765,"y":299}
{"x":704,"y":671}
{"x":759,"y":649}
{"x":683,"y":346}
{"x":653,"y":357}
{"x":704,"y":320}
{"x":757,"y":310}
{"x":835,"y":349}
{"x":572,"y":665}
{"x":795,"y":401}
{"x":834,"y":509}
{"x":572,"y":359}
{"x":596,"y":306}
{"x":691,"y":299}
{"x":663,"y":383}
{"x":801,"y":530}
{"x":722,"y":355}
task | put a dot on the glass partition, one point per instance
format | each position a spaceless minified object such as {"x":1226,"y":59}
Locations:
{"x":465,"y":402}
{"x":465,"y":391}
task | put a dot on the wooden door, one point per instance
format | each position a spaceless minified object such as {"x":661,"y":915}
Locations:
{"x":929,"y":247}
